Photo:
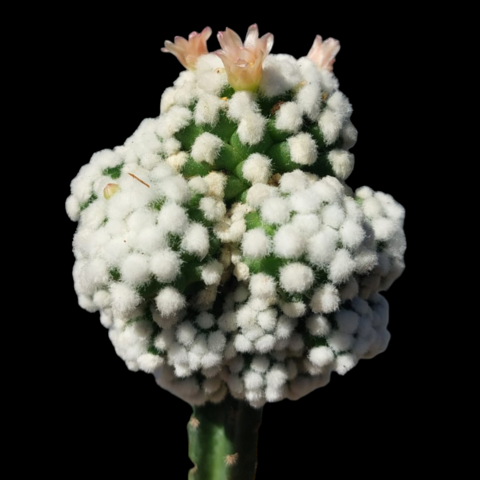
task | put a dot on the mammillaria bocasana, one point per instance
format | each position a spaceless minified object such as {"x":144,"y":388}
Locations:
{"x":221,"y":245}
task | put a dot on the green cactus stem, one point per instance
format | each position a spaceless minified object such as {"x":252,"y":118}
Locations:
{"x":223,"y":440}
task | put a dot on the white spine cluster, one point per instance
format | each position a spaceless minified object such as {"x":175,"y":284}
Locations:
{"x":301,"y":259}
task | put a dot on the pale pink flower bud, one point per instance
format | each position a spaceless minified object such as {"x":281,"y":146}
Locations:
{"x":244,"y":61}
{"x":188,"y":51}
{"x":323,"y":53}
{"x":110,"y":190}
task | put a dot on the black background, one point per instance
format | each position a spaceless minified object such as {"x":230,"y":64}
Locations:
{"x":109,"y":76}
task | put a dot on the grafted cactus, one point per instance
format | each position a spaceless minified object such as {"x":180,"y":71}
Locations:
{"x":224,"y":250}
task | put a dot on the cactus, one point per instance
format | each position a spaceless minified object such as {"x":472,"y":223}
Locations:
{"x":224,"y":250}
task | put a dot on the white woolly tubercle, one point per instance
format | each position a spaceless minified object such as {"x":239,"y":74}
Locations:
{"x":303,"y":149}
{"x":296,"y":277}
{"x":212,"y":273}
{"x":288,"y":242}
{"x":325,"y":299}
{"x":342,"y":163}
{"x":256,"y":168}
{"x":169,"y":300}
{"x":213,"y":208}
{"x":262,"y":285}
{"x":196,"y":240}
{"x":275,"y":210}
{"x":206,"y":148}
{"x":289,"y":117}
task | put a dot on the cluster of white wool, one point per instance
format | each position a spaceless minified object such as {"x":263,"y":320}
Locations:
{"x":132,"y":234}
{"x":278,"y":335}
{"x":199,"y":360}
{"x":386,"y":218}
{"x":318,"y":226}
{"x":282,"y":74}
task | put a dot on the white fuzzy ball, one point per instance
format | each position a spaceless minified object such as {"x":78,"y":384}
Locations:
{"x":134,"y":269}
{"x":321,"y":356}
{"x":246,"y":316}
{"x":277,"y":376}
{"x":384,"y":228}
{"x":216,"y":182}
{"x":303,"y":149}
{"x":330,"y":124}
{"x":216,"y":342}
{"x":321,"y":247}
{"x":275,"y":210}
{"x":288,"y":242}
{"x":242,"y":344}
{"x":265,"y":343}
{"x":102,"y":299}
{"x":175,"y":189}
{"x":285,"y":327}
{"x":258,"y":193}
{"x":251,"y":128}
{"x":262,"y":285}
{"x":280,"y":74}
{"x":205,"y":320}
{"x":72,"y":205}
{"x":161,"y":171}
{"x":207,"y":109}
{"x":206,"y":148}
{"x":169,"y":300}
{"x":256,"y":243}
{"x":295,"y":181}
{"x":296,"y":277}
{"x":294,"y":309}
{"x":306,"y":201}
{"x":342,"y":163}
{"x":342,"y":266}
{"x":253,"y":380}
{"x":198,"y":185}
{"x":213,"y":208}
{"x":365,"y":261}
{"x":173,"y":218}
{"x":340,"y":341}
{"x":318,"y":325}
{"x":186,"y":333}
{"x":345,"y":363}
{"x":124,"y":298}
{"x":371,"y":206}
{"x":325,"y":299}
{"x":351,"y":234}
{"x":239,"y":103}
{"x":196,"y":241}
{"x":165,"y":265}
{"x":173,"y":121}
{"x":256,"y":168}
{"x":333,"y":215}
{"x":289,"y":117}
{"x":307,"y":225}
{"x":212,"y":273}
{"x":309,"y":100}
{"x":177,"y":160}
{"x":260,"y":363}
{"x":267,"y":319}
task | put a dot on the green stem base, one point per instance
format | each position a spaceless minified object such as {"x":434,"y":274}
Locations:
{"x":223,"y":440}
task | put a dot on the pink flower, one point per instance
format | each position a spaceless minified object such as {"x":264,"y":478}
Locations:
{"x":244,"y":62}
{"x":188,"y":51}
{"x":323,"y":53}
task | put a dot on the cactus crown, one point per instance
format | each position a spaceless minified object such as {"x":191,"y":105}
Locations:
{"x":220,"y":243}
